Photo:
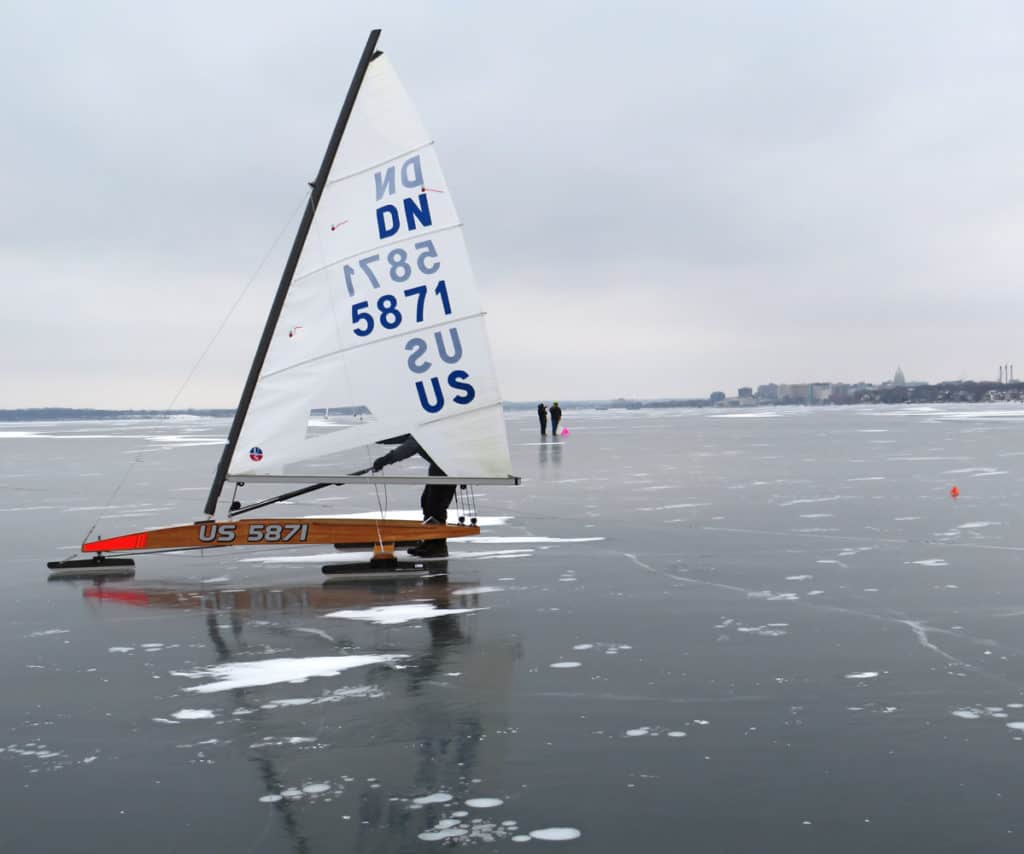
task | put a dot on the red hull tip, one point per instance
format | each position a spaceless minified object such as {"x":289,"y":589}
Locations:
{"x":129,"y":541}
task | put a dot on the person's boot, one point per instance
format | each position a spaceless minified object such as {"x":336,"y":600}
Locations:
{"x":430,"y":520}
{"x":431,"y":548}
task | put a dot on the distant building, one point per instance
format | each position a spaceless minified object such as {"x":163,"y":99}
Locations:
{"x":820,"y":392}
{"x":898,"y":378}
{"x":794,"y":393}
{"x":769,"y":391}
{"x":717,"y":396}
{"x":745,"y":391}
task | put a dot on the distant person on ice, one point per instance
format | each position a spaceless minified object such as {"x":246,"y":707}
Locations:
{"x":556,"y":416}
{"x":435,"y":498}
{"x":542,"y":414}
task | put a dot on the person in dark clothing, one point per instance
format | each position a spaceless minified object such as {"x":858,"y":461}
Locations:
{"x":435,"y":498}
{"x":542,"y":414}
{"x":556,"y":416}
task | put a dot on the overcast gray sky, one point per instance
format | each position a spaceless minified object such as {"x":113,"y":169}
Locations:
{"x":659,"y":199}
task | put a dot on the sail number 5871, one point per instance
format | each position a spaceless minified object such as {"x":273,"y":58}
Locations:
{"x":388,"y":314}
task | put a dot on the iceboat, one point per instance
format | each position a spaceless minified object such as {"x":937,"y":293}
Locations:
{"x":376,"y":333}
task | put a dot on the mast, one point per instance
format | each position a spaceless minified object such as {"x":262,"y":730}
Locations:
{"x":289,"y":271}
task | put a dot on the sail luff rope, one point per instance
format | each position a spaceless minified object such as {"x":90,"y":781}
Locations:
{"x":203,"y":355}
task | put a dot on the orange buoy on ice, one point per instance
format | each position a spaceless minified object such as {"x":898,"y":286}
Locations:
{"x":954,"y":492}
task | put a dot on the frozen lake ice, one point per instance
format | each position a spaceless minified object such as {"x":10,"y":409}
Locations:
{"x":715,"y":633}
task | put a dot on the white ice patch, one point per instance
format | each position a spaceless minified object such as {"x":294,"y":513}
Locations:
{"x":816,"y":515}
{"x":768,"y":414}
{"x":249,"y":674}
{"x":564,"y":834}
{"x":966,"y":714}
{"x":194,"y":714}
{"x":565,"y":665}
{"x":934,"y":561}
{"x":772,"y":597}
{"x":473,"y":591}
{"x":280,"y":742}
{"x":771,"y":630}
{"x":411,"y":515}
{"x":501,"y":554}
{"x":799,"y":577}
{"x":856,"y":479}
{"x":497,"y":541}
{"x":978,"y":524}
{"x":581,"y":646}
{"x":392,"y":615}
{"x":867,"y":674}
{"x":484,"y":803}
{"x":356,"y":691}
{"x":811,"y":500}
{"x":436,"y":798}
{"x":442,"y":834}
{"x":46,"y":632}
{"x":673,"y":507}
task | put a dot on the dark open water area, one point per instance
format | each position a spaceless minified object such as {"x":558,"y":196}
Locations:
{"x":689,"y":630}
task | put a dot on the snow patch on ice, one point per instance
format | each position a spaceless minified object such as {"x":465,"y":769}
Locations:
{"x":194,"y":714}
{"x":435,"y":798}
{"x":564,"y":834}
{"x":496,"y":541}
{"x":392,"y":615}
{"x":811,"y":500}
{"x":250,"y":674}
{"x":472,"y":591}
{"x":484,"y":803}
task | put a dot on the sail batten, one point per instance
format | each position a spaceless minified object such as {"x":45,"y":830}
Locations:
{"x":382,"y":316}
{"x":349,"y":349}
{"x":370,"y":168}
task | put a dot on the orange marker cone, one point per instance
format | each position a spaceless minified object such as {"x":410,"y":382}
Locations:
{"x":954,"y":492}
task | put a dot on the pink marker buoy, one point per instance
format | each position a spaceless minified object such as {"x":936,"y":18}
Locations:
{"x":565,"y":431}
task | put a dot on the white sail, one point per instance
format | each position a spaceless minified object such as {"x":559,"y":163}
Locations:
{"x":382,"y":319}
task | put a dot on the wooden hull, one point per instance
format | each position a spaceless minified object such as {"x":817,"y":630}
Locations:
{"x":278,"y":532}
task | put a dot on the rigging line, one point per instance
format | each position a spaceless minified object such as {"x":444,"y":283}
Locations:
{"x":206,"y":350}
